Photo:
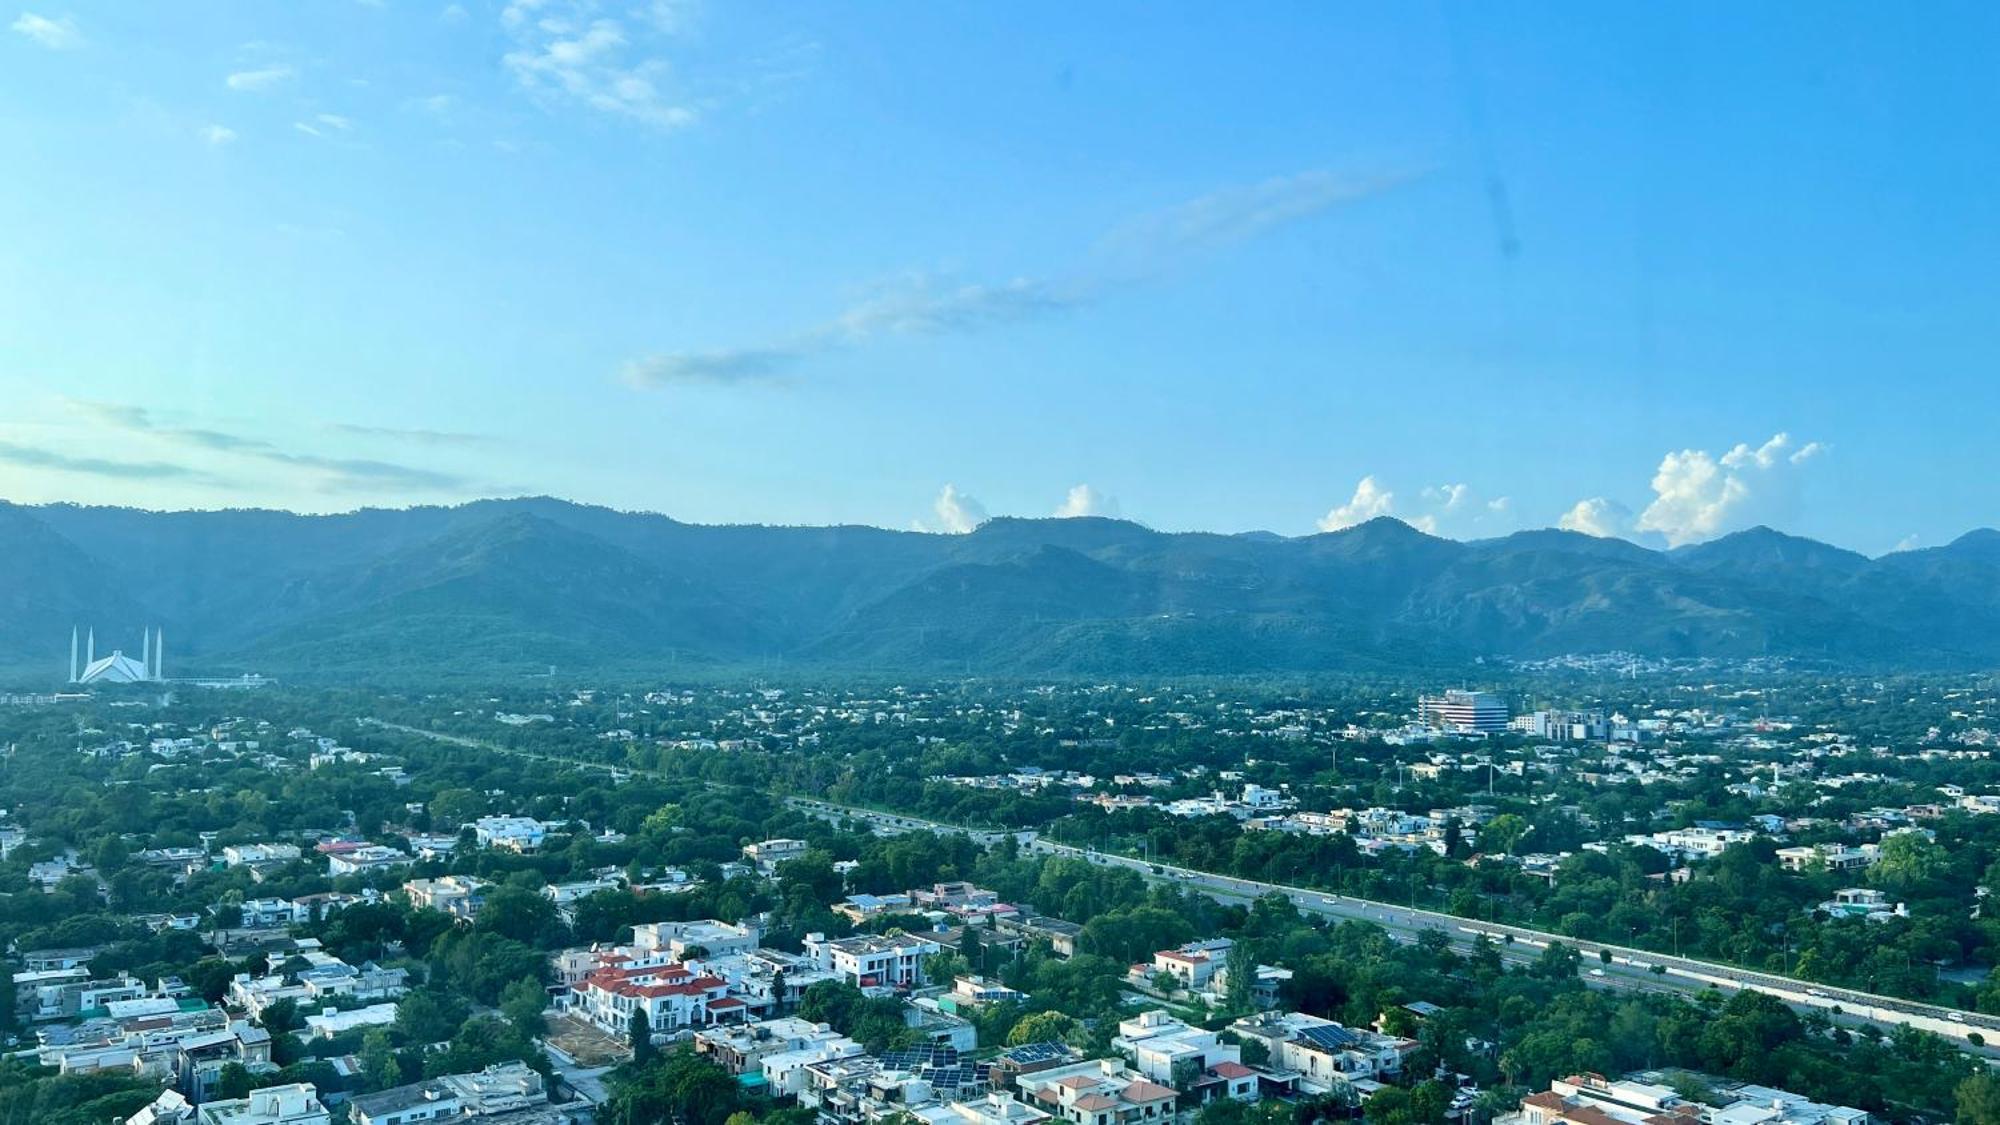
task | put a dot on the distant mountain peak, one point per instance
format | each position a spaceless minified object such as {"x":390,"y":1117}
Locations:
{"x":1768,"y":548}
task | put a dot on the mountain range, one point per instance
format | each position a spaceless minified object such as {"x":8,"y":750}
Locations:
{"x":514,"y":585}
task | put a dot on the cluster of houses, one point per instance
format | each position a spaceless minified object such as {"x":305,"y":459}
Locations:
{"x":1646,"y":1099}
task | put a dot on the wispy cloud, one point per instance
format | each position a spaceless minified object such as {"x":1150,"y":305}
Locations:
{"x":723,"y":367}
{"x":324,"y":125}
{"x":416,"y":436}
{"x":218,"y":135}
{"x":262,"y":78}
{"x":565,"y":51}
{"x":30,"y":457}
{"x":1156,"y":243}
{"x":341,"y":474}
{"x":1139,"y":251}
{"x":57,"y":34}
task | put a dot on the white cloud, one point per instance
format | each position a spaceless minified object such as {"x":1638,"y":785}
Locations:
{"x":334,"y":121}
{"x":1697,"y":496}
{"x":1084,"y":500}
{"x":564,"y":52}
{"x":956,"y":512}
{"x":263,"y":78}
{"x":716,"y":368}
{"x":926,"y":304}
{"x":218,"y":135}
{"x":670,"y":16}
{"x":1450,"y":496}
{"x":1229,"y":216}
{"x":1906,"y":543}
{"x":58,"y":34}
{"x":1457,"y":510}
{"x":1599,"y":516}
{"x":454,"y":13}
{"x":922,"y":305}
{"x":1369,"y":501}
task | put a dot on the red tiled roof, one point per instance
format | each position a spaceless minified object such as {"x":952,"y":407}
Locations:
{"x":1091,"y":1103}
{"x":1231,"y":1070}
{"x":1079,"y":1082}
{"x":1144,"y":1091}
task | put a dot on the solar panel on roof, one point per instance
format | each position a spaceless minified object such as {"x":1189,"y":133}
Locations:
{"x":1331,"y":1036}
{"x":1037,"y":1052}
{"x":921,"y":1055}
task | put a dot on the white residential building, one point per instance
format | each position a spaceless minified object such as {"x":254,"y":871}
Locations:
{"x":460,"y":896}
{"x":362,"y":859}
{"x":567,"y":895}
{"x":1830,"y":857}
{"x":1162,"y":1047}
{"x":330,"y":1022}
{"x":873,"y":963}
{"x":1326,"y":1055}
{"x":711,"y":938}
{"x":296,"y":1104}
{"x":255,"y":855}
{"x":510,"y":833}
{"x":1194,"y":965}
{"x":674,"y":997}
{"x":768,"y":854}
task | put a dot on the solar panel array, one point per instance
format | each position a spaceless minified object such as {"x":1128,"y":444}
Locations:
{"x":1046,"y":1051}
{"x":936,"y":1063}
{"x":1331,"y":1036}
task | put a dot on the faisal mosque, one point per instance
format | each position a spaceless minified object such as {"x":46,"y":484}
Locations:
{"x":117,"y":668}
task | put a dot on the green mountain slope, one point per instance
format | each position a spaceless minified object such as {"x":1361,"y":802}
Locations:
{"x":515,"y":584}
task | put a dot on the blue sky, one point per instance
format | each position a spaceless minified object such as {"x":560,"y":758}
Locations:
{"x":1661,"y":271}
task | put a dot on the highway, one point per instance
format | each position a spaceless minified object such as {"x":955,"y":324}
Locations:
{"x":1629,"y":969}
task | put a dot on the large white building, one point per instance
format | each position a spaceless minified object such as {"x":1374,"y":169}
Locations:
{"x":1472,"y":712}
{"x":512,"y":833}
{"x":117,"y":668}
{"x":673,"y":997}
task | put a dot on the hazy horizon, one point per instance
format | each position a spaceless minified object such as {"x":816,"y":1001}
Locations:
{"x":1651,"y":543}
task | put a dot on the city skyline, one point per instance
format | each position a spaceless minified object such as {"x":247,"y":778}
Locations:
{"x":1285,"y":270}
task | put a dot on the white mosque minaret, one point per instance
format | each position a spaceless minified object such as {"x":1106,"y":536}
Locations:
{"x":118,"y":668}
